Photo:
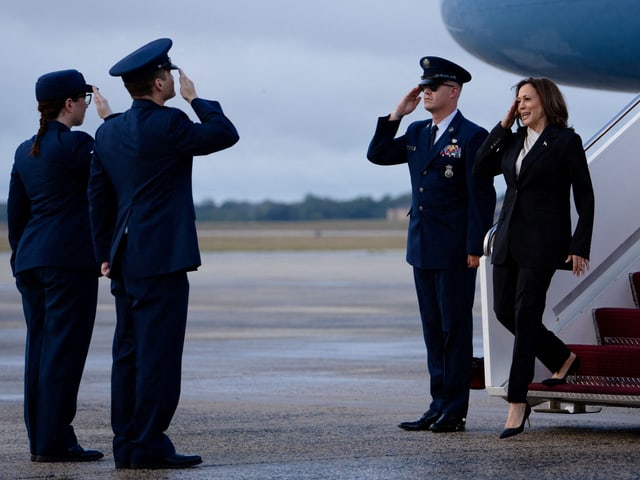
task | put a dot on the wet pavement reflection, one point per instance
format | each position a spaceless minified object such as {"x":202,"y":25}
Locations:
{"x":299,"y":365}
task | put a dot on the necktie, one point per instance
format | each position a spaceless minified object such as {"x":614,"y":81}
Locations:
{"x":432,"y":135}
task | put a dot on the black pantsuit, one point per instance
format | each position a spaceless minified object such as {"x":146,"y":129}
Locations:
{"x":534,"y":238}
{"x":519,"y":302}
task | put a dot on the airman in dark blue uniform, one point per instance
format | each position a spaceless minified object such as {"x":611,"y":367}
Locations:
{"x":53,"y":261}
{"x":450,"y":213}
{"x":144,"y":231}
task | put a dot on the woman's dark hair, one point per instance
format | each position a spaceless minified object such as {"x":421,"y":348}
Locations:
{"x":553,"y":104}
{"x":49,"y":110}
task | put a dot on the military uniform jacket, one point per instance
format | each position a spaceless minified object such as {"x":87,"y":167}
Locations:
{"x":141,"y":183}
{"x":451,"y":209}
{"x":535,"y":221}
{"x":47,"y":208}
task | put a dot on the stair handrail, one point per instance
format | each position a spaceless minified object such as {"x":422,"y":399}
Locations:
{"x":487,"y":244}
{"x":612,"y":123}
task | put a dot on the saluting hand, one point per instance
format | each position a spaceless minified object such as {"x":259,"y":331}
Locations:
{"x":102,"y":105}
{"x":510,"y":118}
{"x":187,"y":88}
{"x":408,"y":103}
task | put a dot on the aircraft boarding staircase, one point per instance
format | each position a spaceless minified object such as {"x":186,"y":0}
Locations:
{"x":597,"y":315}
{"x":609,"y":371}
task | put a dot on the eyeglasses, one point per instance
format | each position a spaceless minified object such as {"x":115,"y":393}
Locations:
{"x":433,"y":87}
{"x":86,"y":97}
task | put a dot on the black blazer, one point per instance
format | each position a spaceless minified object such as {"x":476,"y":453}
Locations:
{"x":48,"y":210}
{"x":451,"y":209}
{"x":141,"y":183}
{"x":535,"y":221}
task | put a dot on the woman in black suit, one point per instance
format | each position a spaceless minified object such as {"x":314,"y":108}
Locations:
{"x":541,"y":162}
{"x":53,"y":261}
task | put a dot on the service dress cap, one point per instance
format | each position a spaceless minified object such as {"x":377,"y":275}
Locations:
{"x":439,"y":70}
{"x":147,"y":59}
{"x":61,"y":84}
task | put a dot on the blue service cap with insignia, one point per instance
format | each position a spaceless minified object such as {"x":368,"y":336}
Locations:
{"x":439,"y":70}
{"x":62,"y":84}
{"x":147,"y":59}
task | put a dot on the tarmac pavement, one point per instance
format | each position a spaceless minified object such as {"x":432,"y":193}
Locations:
{"x":300,"y":365}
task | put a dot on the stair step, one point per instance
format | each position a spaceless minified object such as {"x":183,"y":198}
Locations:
{"x":604,"y":370}
{"x":609,"y":372}
{"x":614,"y":324}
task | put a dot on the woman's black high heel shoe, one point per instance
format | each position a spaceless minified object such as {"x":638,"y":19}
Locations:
{"x":554,"y":382}
{"x":510,"y":432}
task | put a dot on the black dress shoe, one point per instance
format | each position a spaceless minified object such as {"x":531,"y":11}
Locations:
{"x":510,"y":432}
{"x":73,"y":454}
{"x":554,"y":382}
{"x":448,"y":423}
{"x":172,"y":461}
{"x":423,"y":423}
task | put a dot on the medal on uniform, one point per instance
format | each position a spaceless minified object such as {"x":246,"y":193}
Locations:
{"x":449,"y":171}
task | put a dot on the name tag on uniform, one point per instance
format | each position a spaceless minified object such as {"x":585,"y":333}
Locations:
{"x":411,"y":148}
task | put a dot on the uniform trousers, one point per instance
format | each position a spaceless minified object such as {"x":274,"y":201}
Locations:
{"x":147,"y":361}
{"x":59,"y":308}
{"x":519,"y":303}
{"x":445,"y":298}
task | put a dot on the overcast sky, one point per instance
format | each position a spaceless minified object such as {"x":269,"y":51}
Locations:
{"x":302,"y":81}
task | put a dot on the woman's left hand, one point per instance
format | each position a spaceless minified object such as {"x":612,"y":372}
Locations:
{"x":580,"y":265}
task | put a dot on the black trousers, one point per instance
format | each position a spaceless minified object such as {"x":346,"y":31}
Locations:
{"x":519,"y":297}
{"x":445,"y":298}
{"x":59,"y":308}
{"x":147,"y":361}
